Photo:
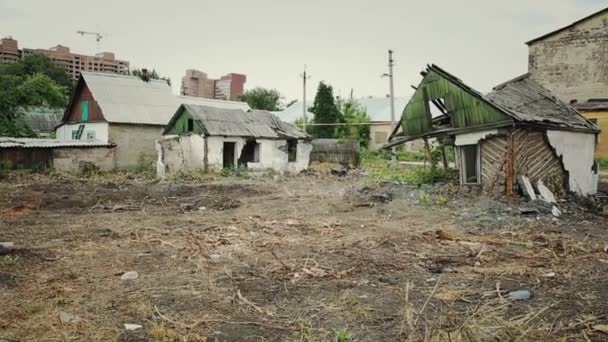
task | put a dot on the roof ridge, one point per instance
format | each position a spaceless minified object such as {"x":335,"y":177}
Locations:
{"x":566,"y":27}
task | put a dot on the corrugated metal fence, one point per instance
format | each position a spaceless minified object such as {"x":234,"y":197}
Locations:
{"x":345,"y":152}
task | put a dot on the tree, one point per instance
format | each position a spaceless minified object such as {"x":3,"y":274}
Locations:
{"x":357,"y":122}
{"x":326,"y":112}
{"x":153,"y":75}
{"x":262,"y":98}
{"x":17,"y":92}
{"x":39,"y":64}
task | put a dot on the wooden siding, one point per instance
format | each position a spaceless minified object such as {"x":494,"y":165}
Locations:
{"x":345,"y":152}
{"x":532,"y":157}
{"x":75,"y":111}
{"x":26,"y":158}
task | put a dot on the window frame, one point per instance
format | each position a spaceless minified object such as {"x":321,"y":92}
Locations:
{"x":462,"y":164}
{"x":84,"y":117}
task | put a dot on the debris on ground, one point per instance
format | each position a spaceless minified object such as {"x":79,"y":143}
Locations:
{"x":131,"y":275}
{"x":526,"y":187}
{"x":297,"y":259}
{"x":68,"y":318}
{"x":520,"y":295}
{"x":544,"y":193}
{"x":6,"y":247}
{"x":131,"y":327}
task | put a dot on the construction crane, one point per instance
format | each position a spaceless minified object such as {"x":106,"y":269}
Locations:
{"x":97,"y":35}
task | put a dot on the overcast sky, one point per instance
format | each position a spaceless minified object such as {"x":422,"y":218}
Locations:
{"x":344,"y":42}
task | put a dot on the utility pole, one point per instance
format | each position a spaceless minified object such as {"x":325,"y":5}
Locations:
{"x":392,"y":97}
{"x":304,"y":109}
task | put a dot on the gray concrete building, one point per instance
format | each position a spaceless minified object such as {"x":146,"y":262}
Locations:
{"x":572,"y":62}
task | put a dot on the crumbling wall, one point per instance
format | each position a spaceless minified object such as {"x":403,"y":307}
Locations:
{"x":532,"y":157}
{"x":274,"y":156}
{"x":135,"y":144}
{"x":72,"y":159}
{"x":573,"y":63}
{"x":576,"y":150}
{"x":215,"y":151}
{"x":182,"y":153}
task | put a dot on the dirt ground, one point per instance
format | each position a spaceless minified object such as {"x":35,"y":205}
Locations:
{"x":308,"y":258}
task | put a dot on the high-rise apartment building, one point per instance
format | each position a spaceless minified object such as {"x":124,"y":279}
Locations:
{"x":72,"y":62}
{"x":197,"y":83}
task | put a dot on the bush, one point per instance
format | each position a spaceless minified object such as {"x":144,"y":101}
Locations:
{"x":603,"y":163}
{"x":405,"y":155}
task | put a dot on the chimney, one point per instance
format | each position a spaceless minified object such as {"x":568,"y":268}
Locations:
{"x":144,"y":75}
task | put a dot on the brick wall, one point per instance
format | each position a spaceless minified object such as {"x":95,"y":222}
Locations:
{"x":573,"y":63}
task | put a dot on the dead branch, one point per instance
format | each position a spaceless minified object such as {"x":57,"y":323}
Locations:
{"x":427,"y":300}
{"x":255,"y":307}
{"x":289,"y":268}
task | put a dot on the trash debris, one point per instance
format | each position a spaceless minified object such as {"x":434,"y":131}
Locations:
{"x":202,"y":208}
{"x":528,"y":211}
{"x":131,"y":275}
{"x":215,"y":257}
{"x":526,"y":187}
{"x":549,"y":275}
{"x":555,"y":211}
{"x":315,"y":272}
{"x":131,"y":327}
{"x":339,"y":171}
{"x":520,"y":295}
{"x":6,"y":247}
{"x":66,"y":317}
{"x":545,"y":194}
{"x":601,"y":328}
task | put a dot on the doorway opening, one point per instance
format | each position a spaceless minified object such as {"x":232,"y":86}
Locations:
{"x":228,"y":154}
{"x":250,"y":153}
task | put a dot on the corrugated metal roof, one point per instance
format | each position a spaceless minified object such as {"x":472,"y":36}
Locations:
{"x":129,"y":99}
{"x":48,"y":143}
{"x":527,"y":101}
{"x":42,"y":119}
{"x":236,"y":122}
{"x":377,"y":108}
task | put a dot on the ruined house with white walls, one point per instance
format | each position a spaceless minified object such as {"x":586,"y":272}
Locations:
{"x":128,"y":112}
{"x":519,"y":129}
{"x":211,"y":139}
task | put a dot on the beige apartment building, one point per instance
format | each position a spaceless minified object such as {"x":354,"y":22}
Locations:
{"x":197,"y":83}
{"x":72,"y":62}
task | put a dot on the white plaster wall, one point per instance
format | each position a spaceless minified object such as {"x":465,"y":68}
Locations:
{"x":473,"y":138}
{"x":215,"y":151}
{"x":180,"y":153}
{"x":64,"y":132}
{"x":273,"y":155}
{"x":576,"y":150}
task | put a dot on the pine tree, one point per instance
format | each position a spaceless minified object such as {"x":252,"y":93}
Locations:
{"x":326,"y":112}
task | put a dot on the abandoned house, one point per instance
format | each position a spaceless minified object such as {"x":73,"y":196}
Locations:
{"x":571,"y":63}
{"x":207,"y":138}
{"x":126,"y":111}
{"x":519,"y":129}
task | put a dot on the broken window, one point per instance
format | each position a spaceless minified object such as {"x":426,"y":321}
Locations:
{"x":228,"y":154}
{"x":437,"y":107}
{"x":469,"y":164}
{"x":292,"y":150}
{"x":250,"y":153}
{"x":190,"y":125}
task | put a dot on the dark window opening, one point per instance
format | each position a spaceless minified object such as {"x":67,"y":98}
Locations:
{"x":594,"y":121}
{"x":190,"y":125}
{"x":228,"y":154}
{"x":250,"y":153}
{"x":292,"y":150}
{"x":470,"y":162}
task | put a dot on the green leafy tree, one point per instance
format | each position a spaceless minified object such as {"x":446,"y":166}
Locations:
{"x":262,"y":98}
{"x":326,"y":112}
{"x":356,"y":122}
{"x":39,"y":64}
{"x":17,"y":92}
{"x":153,"y":75}
{"x":300,"y":124}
